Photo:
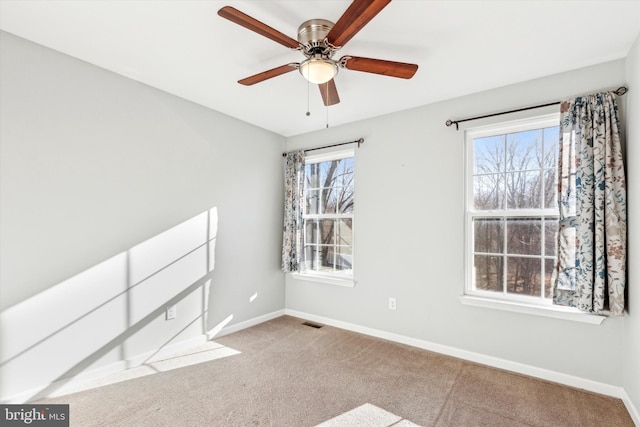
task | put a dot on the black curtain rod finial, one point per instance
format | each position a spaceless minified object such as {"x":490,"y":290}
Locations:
{"x":621,"y":90}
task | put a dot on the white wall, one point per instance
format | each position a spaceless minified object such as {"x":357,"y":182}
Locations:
{"x":631,"y":335}
{"x":409,"y":237}
{"x":117,"y":200}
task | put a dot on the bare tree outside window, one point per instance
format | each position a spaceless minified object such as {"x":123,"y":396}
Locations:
{"x":514,"y":220}
{"x":328,"y":217}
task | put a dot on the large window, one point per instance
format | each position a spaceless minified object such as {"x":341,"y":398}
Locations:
{"x":511,"y":210}
{"x":328,"y":215}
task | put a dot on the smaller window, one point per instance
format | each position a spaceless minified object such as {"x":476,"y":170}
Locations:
{"x":511,"y":210}
{"x":328,"y":215}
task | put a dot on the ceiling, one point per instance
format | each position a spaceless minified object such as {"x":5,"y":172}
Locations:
{"x":461,"y":47}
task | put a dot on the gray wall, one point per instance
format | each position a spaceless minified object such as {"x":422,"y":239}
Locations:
{"x":409,"y":241}
{"x":631,"y":335}
{"x":109,"y":196}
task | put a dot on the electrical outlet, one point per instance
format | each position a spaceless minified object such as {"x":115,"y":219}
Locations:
{"x":392,"y":303}
{"x":171,"y":312}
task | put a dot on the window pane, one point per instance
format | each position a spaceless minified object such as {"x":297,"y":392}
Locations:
{"x":523,"y":276}
{"x":345,"y":175}
{"x":551,"y":136}
{"x":329,"y":201}
{"x":523,"y":149}
{"x":327,"y":231}
{"x":488,"y":154}
{"x":550,"y":189}
{"x":320,"y":232}
{"x":488,"y":235}
{"x":345,"y":199}
{"x":336,"y":172}
{"x":549,"y":276}
{"x":311,"y":231}
{"x":488,"y":272}
{"x":329,"y":187}
{"x":550,"y":237}
{"x":344,"y":234}
{"x":312,"y":176}
{"x":328,"y":244}
{"x":311,"y":257}
{"x":523,"y":190}
{"x":344,"y":258}
{"x":328,"y":173}
{"x":313,"y":202}
{"x":524,"y":236}
{"x":488,"y":192}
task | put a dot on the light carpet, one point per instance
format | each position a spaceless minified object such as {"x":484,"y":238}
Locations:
{"x":283,"y":373}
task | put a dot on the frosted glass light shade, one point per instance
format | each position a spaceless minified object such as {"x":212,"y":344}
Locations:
{"x":318,"y":71}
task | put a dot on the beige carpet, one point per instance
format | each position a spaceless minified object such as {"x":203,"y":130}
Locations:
{"x":288,"y":374}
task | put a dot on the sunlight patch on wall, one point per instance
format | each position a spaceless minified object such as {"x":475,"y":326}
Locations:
{"x":111,"y":312}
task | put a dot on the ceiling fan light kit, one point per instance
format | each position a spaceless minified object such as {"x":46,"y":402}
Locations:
{"x":318,"y":40}
{"x":318,"y":70}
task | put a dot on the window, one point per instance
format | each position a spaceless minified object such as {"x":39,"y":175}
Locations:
{"x":511,"y":210}
{"x":328,"y":215}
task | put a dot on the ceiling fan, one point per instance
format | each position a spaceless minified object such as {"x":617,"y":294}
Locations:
{"x":319,"y":40}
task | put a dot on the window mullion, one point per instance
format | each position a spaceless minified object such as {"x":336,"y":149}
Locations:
{"x":542,"y":259}
{"x":505,"y":256}
{"x":317,"y":242}
{"x":335,"y":242}
{"x":505,"y":206}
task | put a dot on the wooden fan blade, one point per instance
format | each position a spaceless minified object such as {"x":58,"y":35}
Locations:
{"x":240,"y":18}
{"x":265,"y":75}
{"x":379,"y":66}
{"x":354,"y":19}
{"x":329,"y":93}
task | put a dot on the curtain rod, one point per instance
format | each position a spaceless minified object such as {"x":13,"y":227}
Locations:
{"x":620,"y":91}
{"x":359,"y":141}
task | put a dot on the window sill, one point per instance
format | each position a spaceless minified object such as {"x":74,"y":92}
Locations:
{"x":338,"y":281}
{"x":565,"y":313}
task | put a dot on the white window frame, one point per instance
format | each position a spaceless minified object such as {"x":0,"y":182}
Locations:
{"x":502,"y":300}
{"x":340,"y":279}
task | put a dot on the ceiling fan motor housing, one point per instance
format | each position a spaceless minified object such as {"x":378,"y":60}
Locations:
{"x":312,"y":36}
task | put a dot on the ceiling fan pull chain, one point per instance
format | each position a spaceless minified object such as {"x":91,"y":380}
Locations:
{"x":327,"y":125}
{"x":308,"y":84}
{"x":327,"y":106}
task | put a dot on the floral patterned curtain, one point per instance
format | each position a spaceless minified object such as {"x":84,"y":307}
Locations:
{"x":293,"y":204}
{"x":592,"y":239}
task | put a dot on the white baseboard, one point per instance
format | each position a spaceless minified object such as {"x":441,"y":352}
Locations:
{"x":633,"y":411}
{"x":83,"y":378}
{"x":164,"y":352}
{"x":60,"y":386}
{"x":245,"y":324}
{"x":533,"y":371}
